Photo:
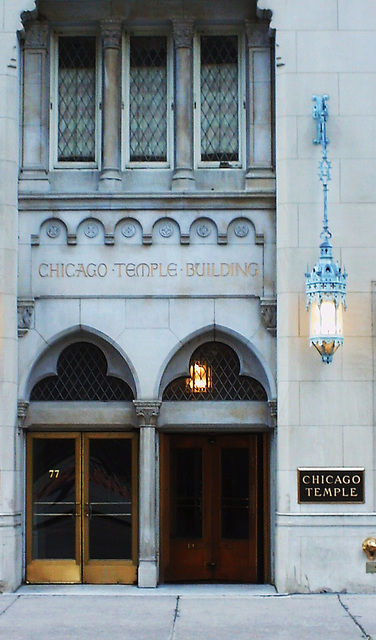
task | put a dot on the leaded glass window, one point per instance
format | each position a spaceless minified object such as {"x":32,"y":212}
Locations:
{"x":76,"y":98}
{"x":214,"y":375}
{"x":219,"y":102}
{"x":81,"y":376}
{"x":148,"y":99}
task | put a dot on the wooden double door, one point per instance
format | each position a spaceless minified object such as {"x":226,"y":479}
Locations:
{"x":215,"y":506}
{"x":81,"y":523}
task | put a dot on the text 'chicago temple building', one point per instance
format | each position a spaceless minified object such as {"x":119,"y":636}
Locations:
{"x":159,"y":202}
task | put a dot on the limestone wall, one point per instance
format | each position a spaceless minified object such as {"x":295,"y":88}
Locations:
{"x":325,"y":412}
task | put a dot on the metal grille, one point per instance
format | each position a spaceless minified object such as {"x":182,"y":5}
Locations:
{"x":81,"y":375}
{"x":219,"y":98}
{"x":148,"y":99}
{"x":76,"y":95}
{"x":227,"y":384}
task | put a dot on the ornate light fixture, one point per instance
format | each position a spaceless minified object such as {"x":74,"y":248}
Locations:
{"x":201,"y":380}
{"x":326,"y":283}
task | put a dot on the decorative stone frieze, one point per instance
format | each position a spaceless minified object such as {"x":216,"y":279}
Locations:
{"x":25,"y":310}
{"x":269,"y":314}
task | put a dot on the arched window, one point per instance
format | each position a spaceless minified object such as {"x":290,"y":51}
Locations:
{"x":214,"y":375}
{"x":81,"y":375}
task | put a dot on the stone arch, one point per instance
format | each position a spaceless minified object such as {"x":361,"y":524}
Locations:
{"x":251,"y":362}
{"x":46,"y":365}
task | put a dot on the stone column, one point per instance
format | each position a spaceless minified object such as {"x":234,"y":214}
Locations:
{"x":34,"y":163}
{"x":110,"y":179}
{"x":260,"y":172}
{"x":147,"y":412}
{"x":183,"y":178}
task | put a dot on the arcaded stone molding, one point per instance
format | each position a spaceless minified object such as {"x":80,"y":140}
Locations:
{"x":183,"y":32}
{"x":111,"y":34}
{"x":36,"y":34}
{"x":269,"y":314}
{"x":25,"y":310}
{"x":147,"y":412}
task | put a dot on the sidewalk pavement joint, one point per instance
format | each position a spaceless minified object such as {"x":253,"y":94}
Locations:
{"x":176,"y":615}
{"x":353,"y":618}
{"x":9,"y":605}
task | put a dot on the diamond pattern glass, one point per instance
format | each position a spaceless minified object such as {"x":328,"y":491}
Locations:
{"x":219,"y":98}
{"x":76,"y":99}
{"x":148,"y":99}
{"x":227,"y":384}
{"x":81,"y":375}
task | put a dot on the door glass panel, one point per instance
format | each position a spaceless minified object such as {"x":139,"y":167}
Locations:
{"x":54,"y":486}
{"x":234,"y":493}
{"x":186,"y":471}
{"x":110,"y":499}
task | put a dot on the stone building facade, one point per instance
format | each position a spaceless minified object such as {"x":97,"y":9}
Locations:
{"x":159,"y":205}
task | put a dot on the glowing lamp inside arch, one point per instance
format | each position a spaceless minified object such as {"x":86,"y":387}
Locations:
{"x":201,"y":380}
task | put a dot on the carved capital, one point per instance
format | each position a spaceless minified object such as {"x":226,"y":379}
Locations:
{"x":25,"y":310}
{"x":147,"y":412}
{"x":36,"y":34}
{"x":257,"y":35}
{"x":273,"y":412}
{"x":22,"y":406}
{"x":183,"y":33}
{"x":111,"y":34}
{"x":269,"y":314}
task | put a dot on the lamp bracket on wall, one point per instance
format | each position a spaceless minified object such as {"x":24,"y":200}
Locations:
{"x":326,"y":283}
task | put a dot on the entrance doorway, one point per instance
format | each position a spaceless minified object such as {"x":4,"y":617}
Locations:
{"x":81,"y":508}
{"x":215,"y":500}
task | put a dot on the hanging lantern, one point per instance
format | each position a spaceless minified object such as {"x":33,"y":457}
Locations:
{"x":201,"y":380}
{"x":326,"y":283}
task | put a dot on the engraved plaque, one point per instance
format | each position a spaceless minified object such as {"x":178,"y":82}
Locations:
{"x":331,"y":484}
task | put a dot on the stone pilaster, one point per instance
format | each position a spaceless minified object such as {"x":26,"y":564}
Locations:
{"x":260,"y":173}
{"x":147,"y":413}
{"x":110,"y":179}
{"x":34,"y":163}
{"x":183,"y":178}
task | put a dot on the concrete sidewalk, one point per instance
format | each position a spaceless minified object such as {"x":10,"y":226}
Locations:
{"x":174,"y":612}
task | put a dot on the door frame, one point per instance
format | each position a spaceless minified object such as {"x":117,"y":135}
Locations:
{"x":81,"y":569}
{"x":263,"y":545}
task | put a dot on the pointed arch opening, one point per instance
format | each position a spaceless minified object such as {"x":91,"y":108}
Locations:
{"x":214,"y":375}
{"x":82,"y":374}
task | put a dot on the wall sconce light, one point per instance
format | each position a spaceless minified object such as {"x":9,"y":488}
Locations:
{"x":326,"y":283}
{"x":201,"y":380}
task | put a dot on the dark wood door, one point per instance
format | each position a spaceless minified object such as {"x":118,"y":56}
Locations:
{"x":210,"y":496}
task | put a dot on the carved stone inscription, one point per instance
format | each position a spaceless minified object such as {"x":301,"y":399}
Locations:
{"x":86,"y":271}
